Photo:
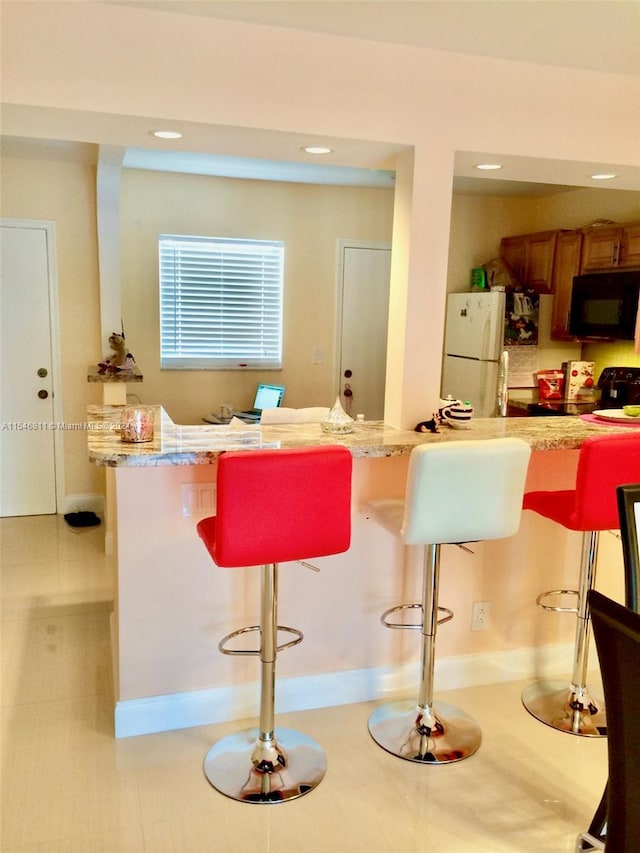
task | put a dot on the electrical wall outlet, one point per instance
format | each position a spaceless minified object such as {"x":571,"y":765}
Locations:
{"x":198,"y":499}
{"x":480,"y":615}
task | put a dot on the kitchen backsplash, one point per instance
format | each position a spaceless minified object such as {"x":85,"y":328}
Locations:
{"x":617,"y":354}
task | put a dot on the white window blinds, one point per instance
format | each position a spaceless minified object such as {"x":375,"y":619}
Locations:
{"x":220,"y":303}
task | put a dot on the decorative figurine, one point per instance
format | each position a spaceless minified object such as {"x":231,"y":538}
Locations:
{"x":428,"y":426}
{"x":121,"y":360}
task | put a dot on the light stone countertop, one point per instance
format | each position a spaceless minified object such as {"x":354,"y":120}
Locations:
{"x":175,"y":444}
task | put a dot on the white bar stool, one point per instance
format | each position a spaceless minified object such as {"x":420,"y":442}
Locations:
{"x":458,"y":491}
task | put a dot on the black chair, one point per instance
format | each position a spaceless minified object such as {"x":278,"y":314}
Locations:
{"x":628,"y":498}
{"x":617,"y":634}
{"x":629,"y":509}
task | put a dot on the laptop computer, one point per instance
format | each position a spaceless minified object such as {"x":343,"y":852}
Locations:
{"x":267,"y":397}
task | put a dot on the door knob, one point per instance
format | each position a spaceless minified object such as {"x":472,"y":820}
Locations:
{"x":43,"y":394}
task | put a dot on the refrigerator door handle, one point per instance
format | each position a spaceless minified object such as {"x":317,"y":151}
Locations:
{"x":503,"y":385}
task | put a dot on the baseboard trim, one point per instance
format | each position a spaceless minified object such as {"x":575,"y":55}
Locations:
{"x":90,"y":502}
{"x":220,"y":704}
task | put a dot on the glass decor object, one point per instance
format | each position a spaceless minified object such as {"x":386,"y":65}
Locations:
{"x":337,"y":421}
{"x":136,"y":424}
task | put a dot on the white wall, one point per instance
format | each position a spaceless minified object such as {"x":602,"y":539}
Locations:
{"x":310,"y":219}
{"x":57,"y":182}
{"x":129,"y":61}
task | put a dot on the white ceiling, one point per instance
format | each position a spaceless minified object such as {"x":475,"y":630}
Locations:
{"x":601,"y":35}
{"x":257,"y":168}
{"x":604,"y":36}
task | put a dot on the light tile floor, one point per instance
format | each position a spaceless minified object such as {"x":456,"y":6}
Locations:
{"x":69,"y":787}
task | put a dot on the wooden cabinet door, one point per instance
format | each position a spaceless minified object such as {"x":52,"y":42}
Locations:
{"x":600,"y":248}
{"x":629,"y":254}
{"x":530,"y":259}
{"x":513,"y":251}
{"x":566,"y":265}
{"x":539,"y":257}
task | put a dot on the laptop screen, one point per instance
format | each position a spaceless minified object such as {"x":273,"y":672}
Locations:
{"x":268,"y":396}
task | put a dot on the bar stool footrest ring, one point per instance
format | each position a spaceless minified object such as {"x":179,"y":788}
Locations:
{"x":412,"y":625}
{"x":299,"y":636}
{"x":554,"y":608}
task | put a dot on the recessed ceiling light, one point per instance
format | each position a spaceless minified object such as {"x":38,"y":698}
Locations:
{"x":489,"y":167}
{"x":604,"y":176}
{"x":317,"y":149}
{"x":166,"y":134}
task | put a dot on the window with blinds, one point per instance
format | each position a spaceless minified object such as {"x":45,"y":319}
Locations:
{"x":220,"y":303}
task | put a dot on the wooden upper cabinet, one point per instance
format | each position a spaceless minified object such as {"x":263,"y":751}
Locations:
{"x":600,"y":247}
{"x":540,"y":255}
{"x":548,"y":261}
{"x":530,"y":259}
{"x":566,"y":265}
{"x":513,"y":251}
{"x":607,"y":247}
{"x":630,"y":246}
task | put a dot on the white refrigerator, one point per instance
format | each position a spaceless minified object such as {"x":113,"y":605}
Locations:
{"x":473,"y":343}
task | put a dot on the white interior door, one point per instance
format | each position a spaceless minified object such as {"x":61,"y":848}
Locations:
{"x":27,"y":424}
{"x":364,"y":275}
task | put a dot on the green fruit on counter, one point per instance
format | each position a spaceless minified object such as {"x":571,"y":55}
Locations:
{"x":633,"y":411}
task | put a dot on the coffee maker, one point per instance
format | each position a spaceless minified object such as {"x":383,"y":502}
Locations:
{"x":619,"y":386}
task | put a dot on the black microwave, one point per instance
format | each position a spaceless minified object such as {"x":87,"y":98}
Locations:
{"x":605,"y":305}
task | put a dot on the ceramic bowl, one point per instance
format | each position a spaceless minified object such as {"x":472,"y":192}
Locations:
{"x":459,"y":417}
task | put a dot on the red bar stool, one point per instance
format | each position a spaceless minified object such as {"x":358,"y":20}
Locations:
{"x":458,"y":491}
{"x":274,"y":506}
{"x":605,"y":462}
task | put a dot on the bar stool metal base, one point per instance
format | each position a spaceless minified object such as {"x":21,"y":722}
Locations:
{"x":569,"y":709}
{"x":274,"y":771}
{"x":440,"y":735}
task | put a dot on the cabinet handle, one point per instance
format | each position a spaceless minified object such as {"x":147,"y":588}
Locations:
{"x":616,"y":254}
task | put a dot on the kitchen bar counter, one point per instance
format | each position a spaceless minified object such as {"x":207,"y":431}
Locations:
{"x":175,"y":444}
{"x":172,"y":604}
